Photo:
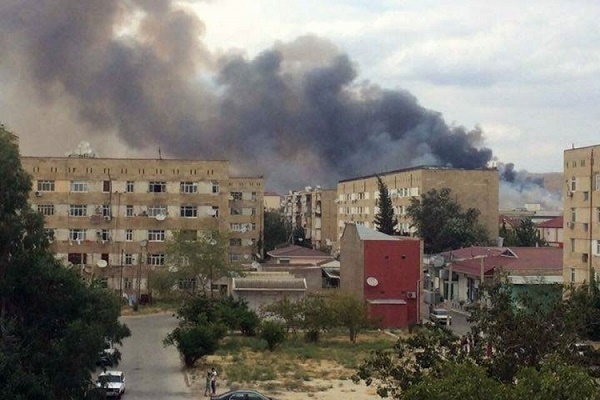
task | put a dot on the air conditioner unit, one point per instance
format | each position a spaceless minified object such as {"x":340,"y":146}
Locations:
{"x":38,"y":194}
{"x":570,"y":194}
{"x":411,"y":295}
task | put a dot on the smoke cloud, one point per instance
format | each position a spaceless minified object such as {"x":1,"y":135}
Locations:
{"x":295,"y":113}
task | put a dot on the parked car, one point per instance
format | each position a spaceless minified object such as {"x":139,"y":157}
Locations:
{"x":109,"y":356}
{"x":241,"y":394}
{"x":440,"y":316}
{"x":113,"y":382}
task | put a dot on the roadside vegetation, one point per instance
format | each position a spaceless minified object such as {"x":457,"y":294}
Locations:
{"x":53,"y":325}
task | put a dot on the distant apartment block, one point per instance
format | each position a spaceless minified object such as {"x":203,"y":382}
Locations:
{"x":272,"y":201}
{"x":581,"y":233}
{"x":357,"y":197}
{"x":112,"y":217}
{"x":314,"y":210}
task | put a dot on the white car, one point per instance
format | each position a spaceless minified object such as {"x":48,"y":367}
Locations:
{"x":440,"y":316}
{"x":113,"y":382}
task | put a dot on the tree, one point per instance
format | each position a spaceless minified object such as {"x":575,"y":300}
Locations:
{"x":442,"y":224}
{"x":194,"y":341}
{"x":52,"y":325}
{"x":277,"y":230}
{"x":350,"y":312}
{"x":286,"y":310}
{"x":197,"y":259}
{"x":527,"y":235}
{"x":532,"y":342}
{"x":385,"y":220}
{"x":273,"y":333}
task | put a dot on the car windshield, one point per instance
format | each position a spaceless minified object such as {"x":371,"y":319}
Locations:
{"x":109,"y":378}
{"x":440,"y":312}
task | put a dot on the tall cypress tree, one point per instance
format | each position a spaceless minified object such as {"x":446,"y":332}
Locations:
{"x":385,"y":220}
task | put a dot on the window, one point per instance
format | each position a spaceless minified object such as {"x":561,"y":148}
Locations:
{"x":46,"y":209}
{"x":235,"y":196}
{"x":584,"y":257}
{"x":77,"y":234}
{"x":215,"y":187}
{"x":153,"y":211}
{"x":188,"y":187}
{"x":103,"y":235}
{"x":586,"y":196}
{"x":215,"y":211}
{"x":573,"y":215}
{"x":45,"y":186}
{"x":127,"y":283}
{"x":235,"y":211}
{"x":585,"y":226}
{"x":106,"y":186}
{"x":233,"y":257}
{"x":129,"y":187}
{"x":186,"y":284}
{"x":129,"y":211}
{"x":572,"y":245}
{"x":157,"y":187}
{"x":234,"y":242}
{"x":253,"y":196}
{"x":597,"y":187}
{"x":573,"y":184}
{"x":128,"y":260}
{"x":598,"y":214}
{"x":129,"y":235}
{"x":189,"y":211}
{"x":597,"y":247}
{"x":106,"y":210}
{"x":77,"y":258}
{"x":156,"y":259}
{"x":79,"y":186}
{"x":156,"y":235}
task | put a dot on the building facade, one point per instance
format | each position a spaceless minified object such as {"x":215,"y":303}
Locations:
{"x":385,"y":271}
{"x":357,"y":197}
{"x":315,"y":211}
{"x":581,"y":233}
{"x":112,"y":218}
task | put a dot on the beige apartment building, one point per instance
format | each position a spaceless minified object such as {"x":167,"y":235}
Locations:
{"x":581,"y":232}
{"x":112,"y":217}
{"x":356,"y":197}
{"x":313,"y":209}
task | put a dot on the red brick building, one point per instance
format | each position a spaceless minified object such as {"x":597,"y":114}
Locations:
{"x":385,"y":271}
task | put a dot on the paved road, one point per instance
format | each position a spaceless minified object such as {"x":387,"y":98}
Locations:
{"x":152,"y":371}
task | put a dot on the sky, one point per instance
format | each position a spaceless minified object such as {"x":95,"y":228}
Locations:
{"x":516,"y":82}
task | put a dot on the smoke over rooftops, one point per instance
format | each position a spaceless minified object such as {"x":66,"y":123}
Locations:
{"x":295,"y":113}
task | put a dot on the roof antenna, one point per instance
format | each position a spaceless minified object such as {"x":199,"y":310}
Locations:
{"x":159,"y":154}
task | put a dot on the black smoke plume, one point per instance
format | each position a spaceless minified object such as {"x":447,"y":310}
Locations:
{"x":295,"y":113}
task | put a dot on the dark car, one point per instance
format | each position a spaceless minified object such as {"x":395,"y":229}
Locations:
{"x":241,"y":394}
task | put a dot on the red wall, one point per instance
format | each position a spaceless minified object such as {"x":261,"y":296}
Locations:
{"x":396,"y":266}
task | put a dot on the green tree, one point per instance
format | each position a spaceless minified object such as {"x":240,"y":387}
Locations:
{"x":350,"y":312}
{"x":286,"y":310}
{"x":273,"y":333}
{"x":527,"y":235}
{"x":199,"y":259}
{"x":385,"y":220}
{"x":442,"y":224}
{"x":194,"y":341}
{"x":277,"y":230}
{"x":532,"y":341}
{"x":52,"y":325}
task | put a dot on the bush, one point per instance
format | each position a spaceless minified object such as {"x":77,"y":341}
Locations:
{"x":273,"y":333}
{"x":195,"y":342}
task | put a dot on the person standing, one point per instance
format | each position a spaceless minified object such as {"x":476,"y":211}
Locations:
{"x":208,"y":387}
{"x":213,"y":380}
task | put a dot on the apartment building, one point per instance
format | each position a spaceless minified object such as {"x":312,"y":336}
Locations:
{"x":581,"y":233}
{"x":314,"y":210}
{"x":357,"y":197}
{"x":112,"y":217}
